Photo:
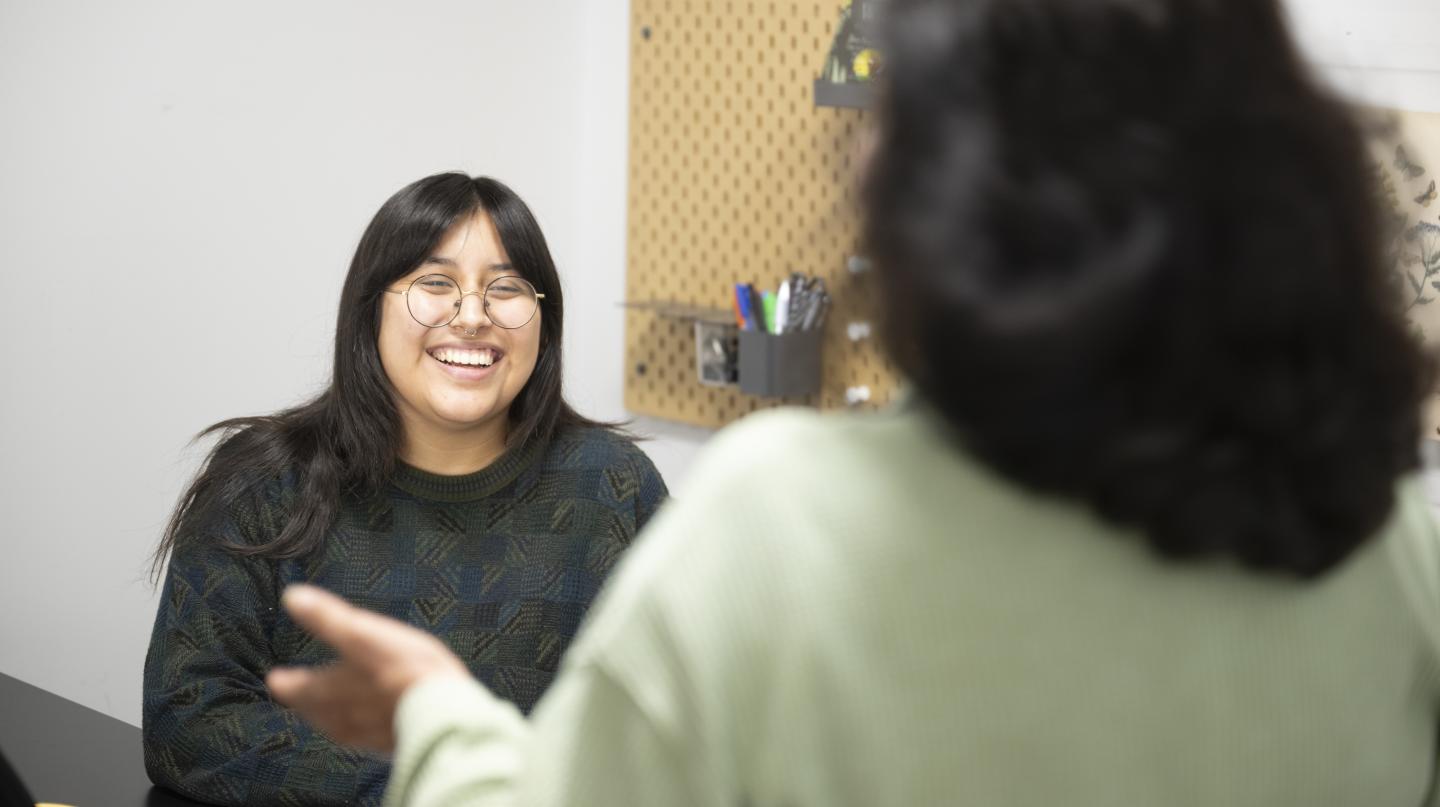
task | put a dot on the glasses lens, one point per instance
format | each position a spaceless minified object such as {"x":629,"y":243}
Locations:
{"x":510,"y":301}
{"x":433,"y":300}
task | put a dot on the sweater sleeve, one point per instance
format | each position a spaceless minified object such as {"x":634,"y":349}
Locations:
{"x":210,"y":729}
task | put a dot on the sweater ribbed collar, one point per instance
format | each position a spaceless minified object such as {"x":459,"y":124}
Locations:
{"x":468,"y":487}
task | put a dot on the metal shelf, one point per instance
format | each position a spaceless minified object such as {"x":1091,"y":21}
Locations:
{"x":847,"y":96}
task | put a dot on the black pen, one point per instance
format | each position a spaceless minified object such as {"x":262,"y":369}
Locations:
{"x":815,"y":317}
{"x":799,"y":298}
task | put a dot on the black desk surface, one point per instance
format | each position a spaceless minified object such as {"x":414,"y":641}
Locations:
{"x":69,"y":754}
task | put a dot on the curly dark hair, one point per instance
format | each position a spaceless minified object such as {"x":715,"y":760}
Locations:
{"x":1131,"y":250}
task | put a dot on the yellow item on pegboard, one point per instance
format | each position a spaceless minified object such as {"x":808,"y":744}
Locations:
{"x":865,"y":62}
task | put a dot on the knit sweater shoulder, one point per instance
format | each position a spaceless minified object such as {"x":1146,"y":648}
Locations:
{"x":501,"y":564}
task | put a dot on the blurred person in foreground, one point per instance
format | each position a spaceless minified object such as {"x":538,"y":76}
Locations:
{"x":1143,"y":535}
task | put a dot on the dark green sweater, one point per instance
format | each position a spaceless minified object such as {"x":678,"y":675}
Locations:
{"x":500,"y":564}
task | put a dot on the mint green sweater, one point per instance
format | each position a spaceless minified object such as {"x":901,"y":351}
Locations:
{"x":846,"y":611}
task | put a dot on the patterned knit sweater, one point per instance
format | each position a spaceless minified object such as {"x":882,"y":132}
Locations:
{"x":500,"y":564}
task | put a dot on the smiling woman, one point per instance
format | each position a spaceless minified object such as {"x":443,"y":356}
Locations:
{"x":458,"y":359}
{"x":441,"y":478}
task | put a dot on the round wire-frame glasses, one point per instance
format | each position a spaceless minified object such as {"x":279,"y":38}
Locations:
{"x":510,"y":301}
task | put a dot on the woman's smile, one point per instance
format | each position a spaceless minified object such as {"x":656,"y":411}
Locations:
{"x":467,"y":362}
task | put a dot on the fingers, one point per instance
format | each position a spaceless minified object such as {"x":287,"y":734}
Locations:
{"x":289,"y":684}
{"x":319,"y":612}
{"x":309,"y":691}
{"x":334,"y":621}
{"x":367,"y":639}
{"x":338,"y":700}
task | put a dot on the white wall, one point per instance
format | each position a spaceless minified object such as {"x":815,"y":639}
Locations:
{"x":1380,"y":51}
{"x":181,"y":186}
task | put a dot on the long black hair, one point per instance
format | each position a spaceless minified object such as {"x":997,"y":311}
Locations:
{"x":347,"y":439}
{"x":1130,"y":249}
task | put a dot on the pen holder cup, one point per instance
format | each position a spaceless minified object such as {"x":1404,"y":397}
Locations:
{"x":780,"y":365}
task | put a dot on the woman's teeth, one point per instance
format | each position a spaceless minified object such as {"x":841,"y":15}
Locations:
{"x":471,"y":358}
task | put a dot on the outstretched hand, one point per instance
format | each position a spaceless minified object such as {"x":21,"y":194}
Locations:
{"x":354,"y":700}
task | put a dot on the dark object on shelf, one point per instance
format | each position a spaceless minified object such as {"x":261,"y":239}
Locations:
{"x":854,"y":60}
{"x":780,"y":365}
{"x":716,"y":353}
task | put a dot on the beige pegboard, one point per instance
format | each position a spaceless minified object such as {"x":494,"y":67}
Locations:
{"x":736,"y":176}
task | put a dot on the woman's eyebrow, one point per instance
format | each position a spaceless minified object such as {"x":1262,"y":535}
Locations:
{"x":450,"y":262}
